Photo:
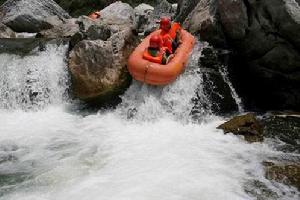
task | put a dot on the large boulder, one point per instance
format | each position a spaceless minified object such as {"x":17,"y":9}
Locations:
{"x":98,"y":67}
{"x":30,"y":15}
{"x":98,"y":62}
{"x":117,"y":13}
{"x":6,"y":32}
{"x":265,"y":38}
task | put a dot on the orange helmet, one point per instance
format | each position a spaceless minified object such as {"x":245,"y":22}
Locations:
{"x":155,"y":41}
{"x":165,"y":23}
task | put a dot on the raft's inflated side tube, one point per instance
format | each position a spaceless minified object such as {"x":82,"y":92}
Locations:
{"x":156,"y":74}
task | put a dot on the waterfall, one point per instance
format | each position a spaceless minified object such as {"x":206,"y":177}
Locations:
{"x":147,"y":102}
{"x":224,"y":72}
{"x":33,"y":81}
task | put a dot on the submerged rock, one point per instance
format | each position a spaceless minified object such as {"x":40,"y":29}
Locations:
{"x":31,"y":15}
{"x":6,"y":32}
{"x":284,"y":127}
{"x":246,"y":125}
{"x":265,"y":38}
{"x":288,"y":174}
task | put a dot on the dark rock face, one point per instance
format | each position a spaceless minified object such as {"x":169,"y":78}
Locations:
{"x":265,"y":38}
{"x":215,"y":88}
{"x":246,"y":125}
{"x":30,"y":15}
{"x":6,"y":32}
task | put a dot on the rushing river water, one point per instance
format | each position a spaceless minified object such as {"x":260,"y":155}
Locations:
{"x":147,"y":148}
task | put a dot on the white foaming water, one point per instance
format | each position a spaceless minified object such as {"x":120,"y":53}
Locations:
{"x":224,"y":72}
{"x":33,"y":81}
{"x":158,"y":154}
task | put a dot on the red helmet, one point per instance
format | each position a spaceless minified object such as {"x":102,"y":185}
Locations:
{"x":165,"y":23}
{"x":155,"y":41}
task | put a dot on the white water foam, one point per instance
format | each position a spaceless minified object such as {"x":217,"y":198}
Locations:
{"x":53,"y":154}
{"x":33,"y":81}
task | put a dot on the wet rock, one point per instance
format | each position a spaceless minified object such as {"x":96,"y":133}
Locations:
{"x":265,"y":38}
{"x":98,"y":68}
{"x":23,"y":46}
{"x":246,"y":125}
{"x":284,"y":127}
{"x":6,"y":32}
{"x":288,"y":174}
{"x":215,"y":88}
{"x":142,"y":15}
{"x":260,"y":191}
{"x":30,"y":15}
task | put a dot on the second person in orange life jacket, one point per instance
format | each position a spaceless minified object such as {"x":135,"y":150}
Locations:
{"x":170,"y":34}
{"x":156,"y":52}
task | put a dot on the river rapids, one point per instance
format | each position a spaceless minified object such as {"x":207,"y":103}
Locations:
{"x":148,"y":148}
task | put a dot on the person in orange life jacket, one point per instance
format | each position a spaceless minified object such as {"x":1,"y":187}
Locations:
{"x":170,"y":33}
{"x":95,"y":15}
{"x":156,"y":52}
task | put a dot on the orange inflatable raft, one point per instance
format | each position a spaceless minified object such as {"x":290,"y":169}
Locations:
{"x":157,"y":74}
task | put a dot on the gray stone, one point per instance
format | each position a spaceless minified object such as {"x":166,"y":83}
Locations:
{"x":30,"y":15}
{"x":68,"y":28}
{"x":142,"y":17}
{"x":117,"y":13}
{"x":163,"y":9}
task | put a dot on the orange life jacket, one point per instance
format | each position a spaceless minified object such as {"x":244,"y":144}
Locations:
{"x":169,"y":37}
{"x":155,"y":59}
{"x":94,"y":15}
